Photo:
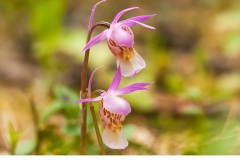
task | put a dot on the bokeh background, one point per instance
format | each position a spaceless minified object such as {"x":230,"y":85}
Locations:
{"x":193,"y":58}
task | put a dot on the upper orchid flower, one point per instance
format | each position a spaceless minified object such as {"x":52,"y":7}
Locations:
{"x":113,"y":109}
{"x":120,"y":40}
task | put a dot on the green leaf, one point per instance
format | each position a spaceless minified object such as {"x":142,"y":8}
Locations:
{"x":192,"y":110}
{"x":25,"y":147}
{"x":232,"y":45}
{"x":42,"y":23}
{"x":193,"y":93}
{"x":90,"y":119}
{"x":52,"y":109}
{"x":66,"y":96}
{"x":71,"y":129}
{"x":174,"y":83}
{"x":221,"y":145}
{"x":13,"y":136}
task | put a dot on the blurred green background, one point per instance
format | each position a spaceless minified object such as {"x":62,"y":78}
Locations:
{"x":193,"y":58}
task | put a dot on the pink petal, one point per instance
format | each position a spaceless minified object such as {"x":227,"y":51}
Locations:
{"x":116,"y":81}
{"x":114,"y":140}
{"x":90,"y":99}
{"x":142,"y":24}
{"x":90,"y":80}
{"x":129,"y":22}
{"x":116,"y":105}
{"x":92,"y":15}
{"x":135,"y":65}
{"x":95,"y":40}
{"x":132,"y":88}
{"x":140,"y":84}
{"x":120,"y":14}
{"x":109,"y":32}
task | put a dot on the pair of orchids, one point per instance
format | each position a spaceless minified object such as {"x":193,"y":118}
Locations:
{"x":113,"y":108}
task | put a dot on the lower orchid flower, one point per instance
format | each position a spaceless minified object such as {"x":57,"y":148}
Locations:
{"x":113,"y":109}
{"x":120,"y":40}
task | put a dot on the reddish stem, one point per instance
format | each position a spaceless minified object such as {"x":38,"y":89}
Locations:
{"x":83,"y":92}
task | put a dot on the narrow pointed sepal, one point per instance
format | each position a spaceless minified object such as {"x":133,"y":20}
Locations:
{"x":92,"y":15}
{"x":95,"y":40}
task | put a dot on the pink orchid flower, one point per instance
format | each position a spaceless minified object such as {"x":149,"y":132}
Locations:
{"x":120,"y":40}
{"x":114,"y":109}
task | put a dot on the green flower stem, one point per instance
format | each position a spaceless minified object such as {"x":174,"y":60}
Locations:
{"x":100,"y":142}
{"x":83,"y":92}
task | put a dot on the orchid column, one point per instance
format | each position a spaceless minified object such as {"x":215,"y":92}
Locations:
{"x":120,"y":40}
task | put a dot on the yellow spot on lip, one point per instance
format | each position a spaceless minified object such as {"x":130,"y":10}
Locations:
{"x":111,"y":120}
